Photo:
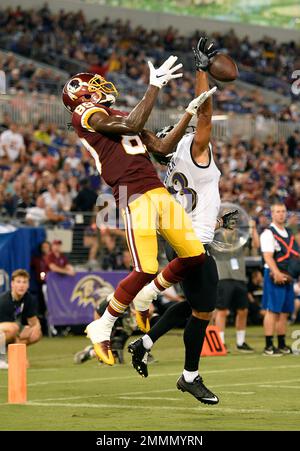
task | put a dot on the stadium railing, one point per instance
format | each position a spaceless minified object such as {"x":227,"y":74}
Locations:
{"x":24,"y":110}
{"x":77,"y":233}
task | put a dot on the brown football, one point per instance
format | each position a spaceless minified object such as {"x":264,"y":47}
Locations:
{"x":289,"y":278}
{"x":223,"y":68}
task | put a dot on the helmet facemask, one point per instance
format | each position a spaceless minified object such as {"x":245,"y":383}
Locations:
{"x":102,"y":91}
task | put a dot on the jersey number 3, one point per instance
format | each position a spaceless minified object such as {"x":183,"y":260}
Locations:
{"x":186,"y":196}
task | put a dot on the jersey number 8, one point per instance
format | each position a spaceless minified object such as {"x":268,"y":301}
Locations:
{"x":133,"y":144}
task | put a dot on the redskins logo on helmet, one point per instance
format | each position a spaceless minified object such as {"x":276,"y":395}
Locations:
{"x":86,"y":87}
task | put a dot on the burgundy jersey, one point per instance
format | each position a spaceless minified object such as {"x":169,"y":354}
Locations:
{"x":122,"y":160}
{"x":59,"y":260}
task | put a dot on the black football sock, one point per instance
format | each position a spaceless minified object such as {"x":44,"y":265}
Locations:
{"x":281,"y":341}
{"x":169,"y":319}
{"x":194,"y":334}
{"x":269,"y":341}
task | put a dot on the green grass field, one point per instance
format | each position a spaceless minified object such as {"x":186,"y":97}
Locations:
{"x":256,"y":392}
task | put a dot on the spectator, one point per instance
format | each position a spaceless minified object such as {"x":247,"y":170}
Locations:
{"x":277,"y":246}
{"x":57,"y":261}
{"x":40,"y":214}
{"x":125,"y":262}
{"x":293,"y":143}
{"x":232,"y":291}
{"x":64,"y":196}
{"x":85,"y":199}
{"x":11,"y":145}
{"x":53,"y":199}
{"x":18,"y":314}
{"x":41,"y":134}
{"x":255,"y":291}
{"x":72,"y":159}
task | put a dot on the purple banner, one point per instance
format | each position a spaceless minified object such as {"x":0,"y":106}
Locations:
{"x":72,"y":300}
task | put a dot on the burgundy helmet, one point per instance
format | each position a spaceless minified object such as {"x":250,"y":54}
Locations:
{"x":86,"y":87}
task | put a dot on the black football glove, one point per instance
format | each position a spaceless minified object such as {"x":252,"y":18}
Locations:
{"x":161,"y":158}
{"x":230,"y":219}
{"x":202,"y":55}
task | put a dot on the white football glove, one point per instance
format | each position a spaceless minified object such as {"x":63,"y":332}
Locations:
{"x":194,"y":104}
{"x":160,"y":77}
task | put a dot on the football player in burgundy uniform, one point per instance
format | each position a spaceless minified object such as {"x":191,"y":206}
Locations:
{"x":115,"y":141}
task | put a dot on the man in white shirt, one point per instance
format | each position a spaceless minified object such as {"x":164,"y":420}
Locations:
{"x":278,"y":247}
{"x":11,"y":144}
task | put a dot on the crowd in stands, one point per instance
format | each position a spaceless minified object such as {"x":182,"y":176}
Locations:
{"x":69,"y":41}
{"x":27,"y":76}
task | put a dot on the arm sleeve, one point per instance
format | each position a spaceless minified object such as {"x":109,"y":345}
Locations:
{"x":31,"y":307}
{"x":267,"y":243}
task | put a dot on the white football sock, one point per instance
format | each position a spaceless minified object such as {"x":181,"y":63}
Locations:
{"x":147,"y":342}
{"x":145,"y":297}
{"x":100,"y":329}
{"x":240,"y":337}
{"x":153,"y":288}
{"x":189,"y":376}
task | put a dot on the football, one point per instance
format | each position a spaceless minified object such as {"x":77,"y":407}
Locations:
{"x":289,"y":278}
{"x":223,"y":68}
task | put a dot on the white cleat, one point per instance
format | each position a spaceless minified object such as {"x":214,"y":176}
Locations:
{"x":98,"y":333}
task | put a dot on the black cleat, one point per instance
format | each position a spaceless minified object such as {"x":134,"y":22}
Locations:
{"x":245,"y":348}
{"x":198,"y":390}
{"x":139,"y":357}
{"x":285,"y":350}
{"x":272,"y":351}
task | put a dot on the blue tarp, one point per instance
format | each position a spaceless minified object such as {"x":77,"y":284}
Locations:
{"x":16,"y":248}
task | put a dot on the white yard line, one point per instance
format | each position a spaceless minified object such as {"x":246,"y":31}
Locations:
{"x":149,"y":398}
{"x":100,"y":379}
{"x":159,"y":408}
{"x":238,"y":392}
{"x":294,"y":387}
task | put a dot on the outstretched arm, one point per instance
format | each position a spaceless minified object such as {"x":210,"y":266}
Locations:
{"x":167,"y":144}
{"x":135,"y":121}
{"x":204,"y":126}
